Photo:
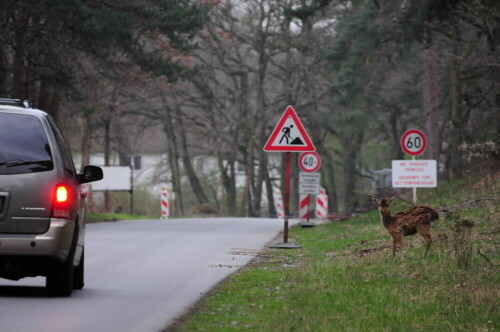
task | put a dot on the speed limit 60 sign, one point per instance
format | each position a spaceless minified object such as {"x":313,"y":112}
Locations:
{"x":413,"y":142}
{"x":309,"y":161}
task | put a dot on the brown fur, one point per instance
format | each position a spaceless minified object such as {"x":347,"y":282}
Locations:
{"x":418,"y":219}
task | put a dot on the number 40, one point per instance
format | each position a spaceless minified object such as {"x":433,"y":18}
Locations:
{"x":310,"y":161}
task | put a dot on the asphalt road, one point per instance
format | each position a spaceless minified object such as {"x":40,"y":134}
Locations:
{"x":140,"y":275}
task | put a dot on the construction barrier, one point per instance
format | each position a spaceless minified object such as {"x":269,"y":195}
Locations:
{"x":305,"y":201}
{"x":278,"y":203}
{"x":84,"y":189}
{"x":164,"y":203}
{"x":322,"y":204}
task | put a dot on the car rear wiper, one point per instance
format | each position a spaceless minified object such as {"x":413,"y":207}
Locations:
{"x":18,"y":162}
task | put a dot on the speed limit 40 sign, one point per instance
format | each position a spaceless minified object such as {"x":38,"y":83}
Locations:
{"x":309,"y":161}
{"x":413,"y":142}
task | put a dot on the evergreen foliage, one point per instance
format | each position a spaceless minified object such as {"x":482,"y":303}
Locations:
{"x":43,"y":39}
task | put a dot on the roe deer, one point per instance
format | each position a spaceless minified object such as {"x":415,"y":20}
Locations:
{"x":416,"y":219}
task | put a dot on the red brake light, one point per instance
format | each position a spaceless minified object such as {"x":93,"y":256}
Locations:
{"x":60,"y":205}
{"x":61,"y":194}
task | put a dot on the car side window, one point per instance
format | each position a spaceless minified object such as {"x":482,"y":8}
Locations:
{"x":61,"y":142}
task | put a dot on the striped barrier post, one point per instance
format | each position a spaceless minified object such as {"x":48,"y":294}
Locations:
{"x":305,"y":201}
{"x":84,"y":189}
{"x":278,"y":204}
{"x":164,"y":203}
{"x":322,"y":204}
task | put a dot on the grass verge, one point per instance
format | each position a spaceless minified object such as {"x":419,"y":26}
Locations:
{"x":100,"y":217}
{"x":345,"y":279}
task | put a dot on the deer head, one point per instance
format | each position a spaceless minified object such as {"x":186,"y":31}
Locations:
{"x":384,"y":202}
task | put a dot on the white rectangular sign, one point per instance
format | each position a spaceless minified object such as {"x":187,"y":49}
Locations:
{"x":414,"y":174}
{"x":309,"y":183}
{"x":116,"y":178}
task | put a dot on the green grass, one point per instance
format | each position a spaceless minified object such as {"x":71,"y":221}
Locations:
{"x":330,"y":285}
{"x":93,"y":217}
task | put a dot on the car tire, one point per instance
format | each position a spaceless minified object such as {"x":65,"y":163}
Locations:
{"x":60,"y":280}
{"x":79,"y":273}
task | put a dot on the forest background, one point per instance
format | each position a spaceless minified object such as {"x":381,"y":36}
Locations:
{"x":210,"y":79}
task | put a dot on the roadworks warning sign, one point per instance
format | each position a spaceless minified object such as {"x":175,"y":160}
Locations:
{"x":289,"y":135}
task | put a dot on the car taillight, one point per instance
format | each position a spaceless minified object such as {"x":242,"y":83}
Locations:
{"x":61,"y":194}
{"x":60,"y":205}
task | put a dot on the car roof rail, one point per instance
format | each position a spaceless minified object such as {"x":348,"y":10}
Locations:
{"x":17,"y":102}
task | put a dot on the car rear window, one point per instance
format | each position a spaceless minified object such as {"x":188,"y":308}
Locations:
{"x":24,"y":147}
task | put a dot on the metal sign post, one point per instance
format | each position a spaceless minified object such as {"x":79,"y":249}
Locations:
{"x":285,"y":244}
{"x":414,"y":188}
{"x":288,"y":136}
{"x":287,"y":195}
{"x":308,"y":208}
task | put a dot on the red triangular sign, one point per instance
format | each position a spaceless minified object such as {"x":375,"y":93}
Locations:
{"x":289,"y":135}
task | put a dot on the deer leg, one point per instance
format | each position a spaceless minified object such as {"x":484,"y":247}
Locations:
{"x":400,"y":243}
{"x":426,"y":234}
{"x":394,"y":245}
{"x":397,"y":242}
{"x":428,"y":241}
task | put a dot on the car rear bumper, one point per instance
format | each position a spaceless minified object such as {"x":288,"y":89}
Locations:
{"x":56,"y":242}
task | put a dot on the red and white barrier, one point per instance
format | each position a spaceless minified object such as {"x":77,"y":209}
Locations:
{"x":164,"y":203}
{"x":278,"y":204}
{"x":304,"y":206}
{"x":322,"y":204}
{"x":84,"y":189}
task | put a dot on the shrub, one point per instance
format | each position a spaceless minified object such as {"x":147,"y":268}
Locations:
{"x":462,"y":239}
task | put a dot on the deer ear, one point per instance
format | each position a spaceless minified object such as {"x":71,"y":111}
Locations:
{"x":390,"y":199}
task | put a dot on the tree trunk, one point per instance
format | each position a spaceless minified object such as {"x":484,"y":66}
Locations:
{"x":350,"y":156}
{"x":261,"y":176}
{"x":19,"y":67}
{"x":122,"y":142}
{"x":270,"y":196}
{"x":246,"y":203}
{"x":86,"y":144}
{"x":260,"y":119}
{"x":452,"y":163}
{"x":244,"y":112}
{"x":173,"y":159}
{"x":107,"y":155}
{"x":194,"y":181}
{"x":229,"y":184}
{"x":49,"y":100}
{"x":431,"y":102}
{"x":4,"y":72}
{"x":396,"y":133}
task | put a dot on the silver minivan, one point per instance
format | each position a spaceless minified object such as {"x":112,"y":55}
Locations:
{"x":42,"y":208}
